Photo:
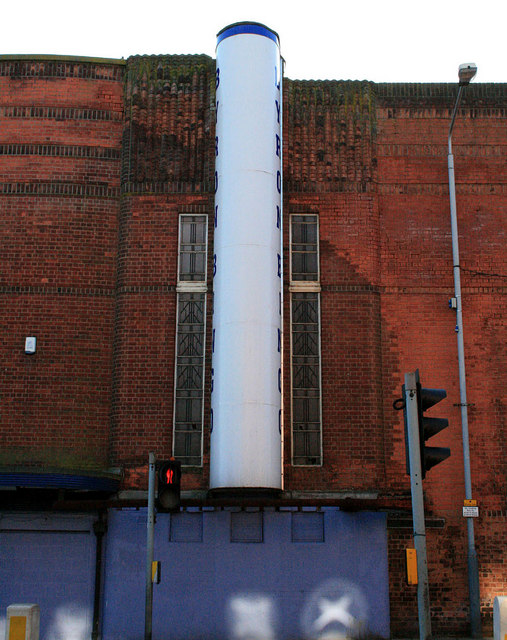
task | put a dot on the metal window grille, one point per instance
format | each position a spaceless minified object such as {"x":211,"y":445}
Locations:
{"x":304,"y":248}
{"x":190,"y":340}
{"x":192,"y":249}
{"x":189,"y":386}
{"x":306,"y":396}
{"x":305,"y":341}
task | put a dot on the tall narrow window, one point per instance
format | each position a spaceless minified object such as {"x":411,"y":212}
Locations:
{"x":192,"y":249}
{"x":305,"y":341}
{"x":304,"y":249}
{"x":190,"y":340}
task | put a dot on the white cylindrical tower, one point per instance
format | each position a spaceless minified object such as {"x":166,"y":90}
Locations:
{"x":247,"y":262}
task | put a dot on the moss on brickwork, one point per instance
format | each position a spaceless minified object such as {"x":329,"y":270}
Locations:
{"x":61,"y":67}
{"x":160,"y":71}
{"x":41,"y":457}
{"x":425,"y":95}
{"x":330,"y":131}
{"x":348,"y":93}
{"x":169,"y":105}
{"x":169,"y":109}
{"x":330,"y":126}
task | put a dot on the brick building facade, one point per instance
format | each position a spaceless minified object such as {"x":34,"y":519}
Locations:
{"x":103,"y":161}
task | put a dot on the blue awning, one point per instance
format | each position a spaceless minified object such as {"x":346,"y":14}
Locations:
{"x":58,"y":480}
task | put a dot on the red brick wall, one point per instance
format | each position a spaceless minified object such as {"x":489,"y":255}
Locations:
{"x":168,"y":169}
{"x":418,"y":327}
{"x":386,"y":264}
{"x":90,"y":266}
{"x":60,"y":145}
{"x":145,"y":331}
{"x":329,"y":132}
{"x":350,"y":345}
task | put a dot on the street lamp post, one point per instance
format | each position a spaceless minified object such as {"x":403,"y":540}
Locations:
{"x":466,"y":73}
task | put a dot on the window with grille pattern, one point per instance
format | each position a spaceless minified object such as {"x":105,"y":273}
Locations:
{"x":192,"y":250}
{"x":190,"y":341}
{"x":305,"y":342}
{"x":304,"y":248}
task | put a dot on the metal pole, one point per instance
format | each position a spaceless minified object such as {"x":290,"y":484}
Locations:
{"x":473,"y":568}
{"x":149,"y":548}
{"x":423,"y":595}
{"x":99,"y":528}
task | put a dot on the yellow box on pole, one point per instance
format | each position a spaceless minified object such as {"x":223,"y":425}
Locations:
{"x":155,"y":571}
{"x":17,"y":628}
{"x":22,"y":622}
{"x":411,"y":560}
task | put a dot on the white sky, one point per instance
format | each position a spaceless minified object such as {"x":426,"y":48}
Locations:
{"x":378,"y":40}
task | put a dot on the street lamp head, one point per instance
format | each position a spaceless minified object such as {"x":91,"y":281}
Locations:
{"x":466,"y":72}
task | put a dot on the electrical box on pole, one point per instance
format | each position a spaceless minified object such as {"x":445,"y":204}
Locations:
{"x":411,"y":566}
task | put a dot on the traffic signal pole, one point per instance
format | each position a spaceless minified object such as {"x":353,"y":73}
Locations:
{"x":148,"y":611}
{"x":416,"y":487}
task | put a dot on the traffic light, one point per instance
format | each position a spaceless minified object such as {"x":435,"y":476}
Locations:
{"x":169,"y":481}
{"x":428,"y":426}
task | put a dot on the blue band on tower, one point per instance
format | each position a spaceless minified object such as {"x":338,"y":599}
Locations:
{"x":247,"y":27}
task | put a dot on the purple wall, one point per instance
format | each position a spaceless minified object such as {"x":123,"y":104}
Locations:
{"x":49,"y":560}
{"x":238,"y":574}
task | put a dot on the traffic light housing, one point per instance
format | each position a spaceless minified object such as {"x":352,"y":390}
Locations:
{"x":429,"y":426}
{"x":169,"y":485}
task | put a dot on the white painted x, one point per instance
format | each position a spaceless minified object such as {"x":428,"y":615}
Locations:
{"x":334,"y":611}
